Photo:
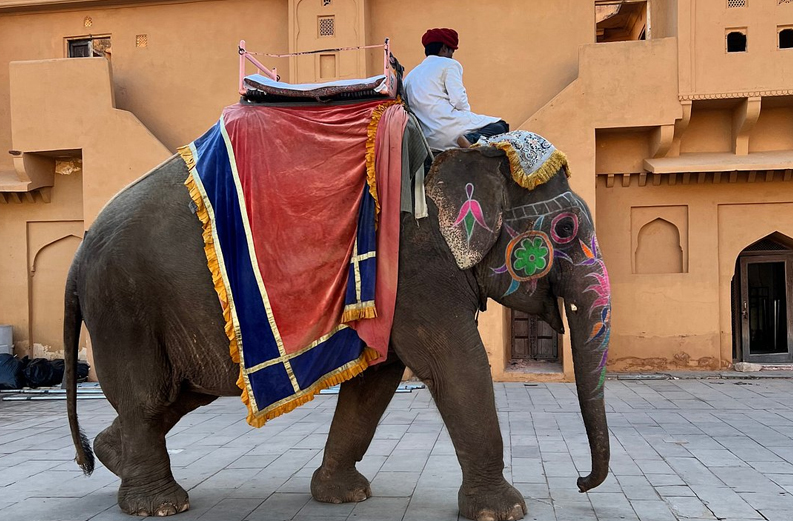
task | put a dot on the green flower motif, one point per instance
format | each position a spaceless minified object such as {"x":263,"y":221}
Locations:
{"x":531,"y":256}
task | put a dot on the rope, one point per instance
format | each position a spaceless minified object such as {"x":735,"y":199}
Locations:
{"x":312,"y":52}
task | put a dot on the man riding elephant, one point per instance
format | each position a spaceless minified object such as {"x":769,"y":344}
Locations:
{"x":437,"y":96}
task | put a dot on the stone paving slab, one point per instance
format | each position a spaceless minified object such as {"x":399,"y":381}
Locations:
{"x":682,"y":450}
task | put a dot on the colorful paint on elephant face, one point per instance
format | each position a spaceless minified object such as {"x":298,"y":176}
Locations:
{"x":471,"y":214}
{"x":528,"y":257}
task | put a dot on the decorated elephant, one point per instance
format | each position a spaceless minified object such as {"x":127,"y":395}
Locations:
{"x":524,"y":239}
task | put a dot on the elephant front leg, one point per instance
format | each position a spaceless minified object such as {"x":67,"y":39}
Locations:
{"x":453,"y":363}
{"x":362,"y":402}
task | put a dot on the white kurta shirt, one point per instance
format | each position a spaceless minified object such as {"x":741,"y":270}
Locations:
{"x":435,"y":92}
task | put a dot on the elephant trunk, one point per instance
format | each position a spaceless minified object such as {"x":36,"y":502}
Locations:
{"x":589,"y":317}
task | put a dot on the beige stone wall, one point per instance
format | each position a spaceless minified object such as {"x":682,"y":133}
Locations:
{"x":38,"y":238}
{"x":681,"y":319}
{"x":717,"y":71}
{"x":515,"y":57}
{"x":178,"y":83}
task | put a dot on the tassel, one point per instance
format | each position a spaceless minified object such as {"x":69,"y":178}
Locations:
{"x":351,"y":315}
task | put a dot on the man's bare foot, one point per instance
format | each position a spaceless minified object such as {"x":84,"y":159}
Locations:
{"x":462,"y":142}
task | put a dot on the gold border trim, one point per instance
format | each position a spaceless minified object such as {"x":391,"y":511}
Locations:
{"x":217,"y":268}
{"x":254,"y":260}
{"x":542,"y":175}
{"x":371,"y":137}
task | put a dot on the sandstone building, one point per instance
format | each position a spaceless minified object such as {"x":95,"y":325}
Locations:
{"x":677,"y":117}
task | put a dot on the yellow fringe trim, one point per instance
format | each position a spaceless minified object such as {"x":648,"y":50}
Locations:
{"x":357,"y":314}
{"x":214,"y":268}
{"x":336,"y":377}
{"x":544,"y":174}
{"x":371,"y":135}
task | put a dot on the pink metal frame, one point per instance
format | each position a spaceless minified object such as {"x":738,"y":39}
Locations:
{"x":273,"y":74}
{"x":245,"y":55}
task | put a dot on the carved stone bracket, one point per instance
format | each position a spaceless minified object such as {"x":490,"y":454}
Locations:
{"x":681,"y":125}
{"x":661,"y":140}
{"x":744,"y":118}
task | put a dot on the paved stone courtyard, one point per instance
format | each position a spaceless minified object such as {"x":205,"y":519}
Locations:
{"x":681,"y":449}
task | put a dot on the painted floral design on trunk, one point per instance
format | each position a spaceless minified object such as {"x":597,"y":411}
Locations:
{"x":601,"y":287}
{"x":601,"y":304}
{"x":471,"y":214}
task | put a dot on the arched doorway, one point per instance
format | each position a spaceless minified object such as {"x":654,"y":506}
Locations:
{"x":763,"y":301}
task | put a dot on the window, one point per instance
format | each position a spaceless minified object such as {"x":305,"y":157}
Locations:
{"x":735,"y":3}
{"x":785,"y":37}
{"x":326,"y":3}
{"x":736,"y":40}
{"x":90,"y":47}
{"x":617,"y":21}
{"x":327,"y":26}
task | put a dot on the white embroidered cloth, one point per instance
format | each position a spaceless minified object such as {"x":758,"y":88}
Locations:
{"x":532,"y":158}
{"x":533,"y":150}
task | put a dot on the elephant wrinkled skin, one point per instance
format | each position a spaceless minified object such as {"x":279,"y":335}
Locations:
{"x":140,"y":283}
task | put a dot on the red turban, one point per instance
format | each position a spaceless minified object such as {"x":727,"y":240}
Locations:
{"x":444,"y":36}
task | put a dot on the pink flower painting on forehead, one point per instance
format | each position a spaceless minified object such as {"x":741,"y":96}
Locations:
{"x":471,"y":214}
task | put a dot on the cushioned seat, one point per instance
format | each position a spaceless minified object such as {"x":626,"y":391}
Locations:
{"x":263,"y":89}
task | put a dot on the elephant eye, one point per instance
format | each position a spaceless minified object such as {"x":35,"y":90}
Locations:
{"x":564,"y":228}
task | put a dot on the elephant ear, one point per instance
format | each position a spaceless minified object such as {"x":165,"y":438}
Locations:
{"x":469,"y":189}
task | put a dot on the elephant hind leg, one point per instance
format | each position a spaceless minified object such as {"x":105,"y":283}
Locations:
{"x":147,"y":484}
{"x":107,"y":444}
{"x":107,"y":447}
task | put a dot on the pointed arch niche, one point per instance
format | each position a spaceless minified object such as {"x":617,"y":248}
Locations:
{"x":51,"y":247}
{"x":659,"y":239}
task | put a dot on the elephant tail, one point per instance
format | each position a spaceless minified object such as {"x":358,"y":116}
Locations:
{"x":72,"y":323}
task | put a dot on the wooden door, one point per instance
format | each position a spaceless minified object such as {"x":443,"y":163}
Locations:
{"x":533,"y":339}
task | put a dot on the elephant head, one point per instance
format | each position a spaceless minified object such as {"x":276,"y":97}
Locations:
{"x":528,"y":248}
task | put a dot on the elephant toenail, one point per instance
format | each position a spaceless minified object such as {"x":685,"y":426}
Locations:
{"x":184,"y":508}
{"x":142,"y":513}
{"x":168,"y":509}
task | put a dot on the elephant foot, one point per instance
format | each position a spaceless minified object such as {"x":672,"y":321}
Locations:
{"x":153,"y":499}
{"x":107,"y":447}
{"x":340,"y":486}
{"x":498,"y":503}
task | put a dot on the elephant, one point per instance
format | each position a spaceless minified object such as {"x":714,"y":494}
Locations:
{"x":141,"y":267}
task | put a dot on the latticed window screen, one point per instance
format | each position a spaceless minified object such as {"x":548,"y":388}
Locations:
{"x":141,"y":40}
{"x":327,"y":26}
{"x":736,"y":3}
